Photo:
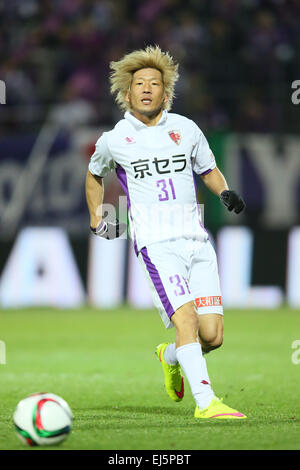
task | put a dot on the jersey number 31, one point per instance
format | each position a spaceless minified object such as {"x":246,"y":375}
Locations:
{"x":166,"y":187}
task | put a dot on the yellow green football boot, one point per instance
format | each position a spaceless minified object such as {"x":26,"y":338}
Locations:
{"x":173,"y":379}
{"x":217,"y":409}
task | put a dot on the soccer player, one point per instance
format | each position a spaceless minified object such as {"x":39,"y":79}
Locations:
{"x":155,"y":155}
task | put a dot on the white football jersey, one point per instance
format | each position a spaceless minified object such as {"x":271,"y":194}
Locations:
{"x":155,"y":167}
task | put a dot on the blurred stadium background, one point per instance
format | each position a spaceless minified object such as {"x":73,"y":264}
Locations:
{"x":238,"y":61}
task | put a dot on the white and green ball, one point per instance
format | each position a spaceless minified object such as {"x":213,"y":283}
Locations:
{"x":43,"y":419}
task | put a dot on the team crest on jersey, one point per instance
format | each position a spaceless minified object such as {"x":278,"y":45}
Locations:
{"x":175,"y":136}
{"x":130,"y":140}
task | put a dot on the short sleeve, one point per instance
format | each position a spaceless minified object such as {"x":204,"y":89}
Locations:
{"x":101,"y":161}
{"x":202,"y":156}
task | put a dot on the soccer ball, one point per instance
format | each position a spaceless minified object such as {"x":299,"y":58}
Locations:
{"x":42,"y":419}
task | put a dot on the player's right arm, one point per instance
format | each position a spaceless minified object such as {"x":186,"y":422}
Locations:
{"x":94,"y":190}
{"x":100,"y":164}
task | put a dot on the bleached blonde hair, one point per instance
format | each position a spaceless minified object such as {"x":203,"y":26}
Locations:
{"x":151,"y":57}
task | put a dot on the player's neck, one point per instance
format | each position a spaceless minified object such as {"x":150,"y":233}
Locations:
{"x":148,"y":120}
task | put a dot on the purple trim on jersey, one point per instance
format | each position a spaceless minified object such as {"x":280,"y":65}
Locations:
{"x":121,"y":175}
{"x":205,"y":172}
{"x":135,"y":245}
{"x":155,"y":277}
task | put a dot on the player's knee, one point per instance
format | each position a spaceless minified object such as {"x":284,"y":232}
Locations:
{"x":216,"y":342}
{"x":188,"y":321}
{"x":186,"y":318}
{"x":212,"y":340}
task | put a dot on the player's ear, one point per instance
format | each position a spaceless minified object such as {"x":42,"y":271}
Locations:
{"x":166,"y":98}
{"x":127,"y":96}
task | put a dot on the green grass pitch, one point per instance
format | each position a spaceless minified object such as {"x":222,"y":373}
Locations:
{"x":103,"y":364}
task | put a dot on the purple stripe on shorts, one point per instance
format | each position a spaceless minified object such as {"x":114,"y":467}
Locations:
{"x":155,"y":277}
{"x":121,"y":175}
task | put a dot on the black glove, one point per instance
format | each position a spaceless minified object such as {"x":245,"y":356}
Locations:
{"x":232,"y":200}
{"x":109,"y":230}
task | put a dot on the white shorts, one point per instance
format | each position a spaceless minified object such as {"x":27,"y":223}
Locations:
{"x":180,"y":271}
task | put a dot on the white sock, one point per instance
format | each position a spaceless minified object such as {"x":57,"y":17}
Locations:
{"x":193,"y":364}
{"x":170,"y":354}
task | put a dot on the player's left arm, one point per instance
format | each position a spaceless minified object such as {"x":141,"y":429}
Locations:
{"x":216,"y":182}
